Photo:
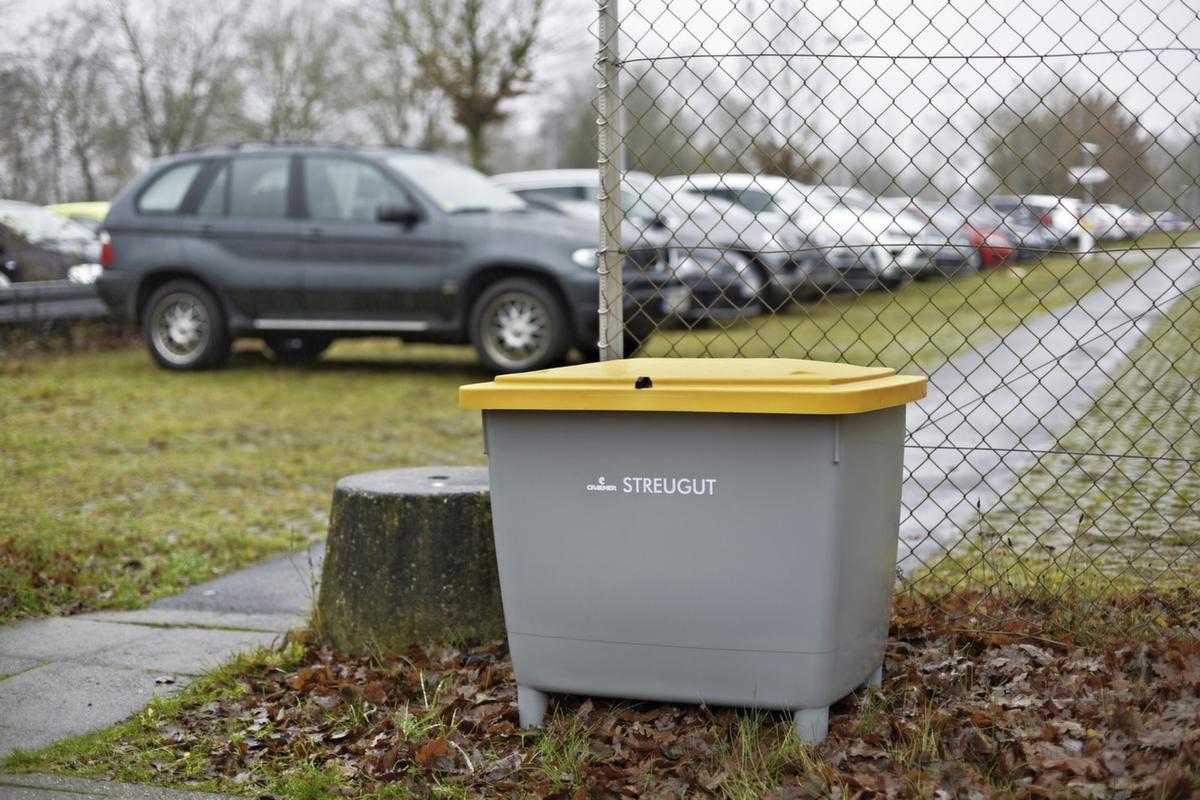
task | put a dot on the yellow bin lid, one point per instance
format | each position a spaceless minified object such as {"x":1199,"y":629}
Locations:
{"x":721,"y":385}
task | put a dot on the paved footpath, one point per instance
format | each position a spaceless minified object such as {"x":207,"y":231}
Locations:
{"x":1020,"y":393}
{"x":53,"y":787}
{"x":63,"y":677}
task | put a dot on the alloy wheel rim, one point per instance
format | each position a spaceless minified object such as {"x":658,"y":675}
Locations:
{"x":516,"y":329}
{"x":180,"y":328}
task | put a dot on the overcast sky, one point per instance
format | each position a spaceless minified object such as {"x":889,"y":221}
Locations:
{"x":952,"y":57}
{"x":1159,"y":86}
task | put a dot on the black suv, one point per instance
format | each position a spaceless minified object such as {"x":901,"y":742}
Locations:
{"x":299,"y":245}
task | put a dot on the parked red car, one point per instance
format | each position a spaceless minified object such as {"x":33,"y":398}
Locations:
{"x":982,"y":226}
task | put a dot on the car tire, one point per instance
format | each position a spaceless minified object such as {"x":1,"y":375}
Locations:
{"x":517,"y":325}
{"x":299,"y":349}
{"x":184,"y":327}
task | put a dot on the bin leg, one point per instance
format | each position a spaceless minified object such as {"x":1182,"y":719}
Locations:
{"x":811,"y":724}
{"x":531,"y":706}
{"x":875,"y":680}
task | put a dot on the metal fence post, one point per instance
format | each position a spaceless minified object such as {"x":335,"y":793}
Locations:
{"x":610,"y":135}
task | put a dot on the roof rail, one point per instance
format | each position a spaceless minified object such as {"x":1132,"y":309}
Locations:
{"x":253,"y":144}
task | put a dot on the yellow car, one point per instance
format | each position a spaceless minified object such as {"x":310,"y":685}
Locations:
{"x":89,"y":214}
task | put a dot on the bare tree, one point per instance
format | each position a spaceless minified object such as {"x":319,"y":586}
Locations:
{"x":84,"y":110}
{"x":298,"y":72}
{"x":475,"y":52}
{"x":181,"y":68}
{"x":575,"y":130}
{"x":1032,"y":142}
{"x":19,"y":162}
{"x":399,"y":109}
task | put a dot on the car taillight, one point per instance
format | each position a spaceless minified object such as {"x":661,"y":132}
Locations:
{"x":1047,"y":218}
{"x":106,"y":249}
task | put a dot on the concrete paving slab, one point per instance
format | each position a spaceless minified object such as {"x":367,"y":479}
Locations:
{"x":60,"y":638}
{"x":284,"y":585}
{"x":91,"y":671}
{"x":54,"y":787}
{"x":183,"y":651}
{"x":12,"y":665}
{"x":193,"y":618}
{"x":67,"y":699}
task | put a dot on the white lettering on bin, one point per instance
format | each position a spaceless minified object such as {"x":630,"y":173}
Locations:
{"x":698,"y":487}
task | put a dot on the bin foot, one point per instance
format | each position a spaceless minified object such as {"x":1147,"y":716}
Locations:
{"x":531,"y":706}
{"x":875,"y":680}
{"x":811,"y":724}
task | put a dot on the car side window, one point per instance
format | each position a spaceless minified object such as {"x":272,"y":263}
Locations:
{"x":553,"y":193}
{"x":166,"y":193}
{"x":213,"y":202}
{"x":756,"y":201}
{"x":259,"y":187}
{"x":345,"y":190}
{"x":633,"y":204}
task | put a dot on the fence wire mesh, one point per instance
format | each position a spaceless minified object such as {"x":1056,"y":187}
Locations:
{"x":999,"y":195}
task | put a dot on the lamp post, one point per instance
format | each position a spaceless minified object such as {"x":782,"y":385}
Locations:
{"x":1085,"y":176}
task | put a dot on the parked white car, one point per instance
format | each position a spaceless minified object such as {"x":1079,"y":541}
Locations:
{"x":868,"y":250}
{"x":939,"y":252}
{"x":1102,"y":222}
{"x":778,"y":259}
{"x":1110,"y":221}
{"x":1133,"y":223}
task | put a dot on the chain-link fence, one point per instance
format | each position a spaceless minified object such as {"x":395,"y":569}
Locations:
{"x":999,"y":195}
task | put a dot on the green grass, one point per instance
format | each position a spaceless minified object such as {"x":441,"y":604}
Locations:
{"x":124,"y":482}
{"x":920,"y":325}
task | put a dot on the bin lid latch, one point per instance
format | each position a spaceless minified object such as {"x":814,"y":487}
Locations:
{"x":643,"y":382}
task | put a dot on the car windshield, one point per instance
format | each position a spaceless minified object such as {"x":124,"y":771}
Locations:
{"x":455,"y":188}
{"x":711,"y":209}
{"x":652,"y":193}
{"x":39,"y":226}
{"x":821,"y":201}
{"x":948,"y":219}
{"x":986,"y":216}
{"x":91,"y":223}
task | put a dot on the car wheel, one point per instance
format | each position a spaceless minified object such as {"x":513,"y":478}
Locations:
{"x":518,"y":325}
{"x":300,"y":349}
{"x":185,"y":327}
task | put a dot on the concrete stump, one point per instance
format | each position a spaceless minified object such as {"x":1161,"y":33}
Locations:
{"x":410,"y":558}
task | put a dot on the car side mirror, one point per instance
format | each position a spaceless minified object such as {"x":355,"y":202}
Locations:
{"x":401,"y":212}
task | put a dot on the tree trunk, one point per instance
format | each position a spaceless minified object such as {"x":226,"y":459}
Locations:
{"x":475,"y":144}
{"x":410,"y":558}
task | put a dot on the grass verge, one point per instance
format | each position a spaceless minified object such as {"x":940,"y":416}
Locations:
{"x":922,"y":324}
{"x":124,"y":482}
{"x":1023,"y":709}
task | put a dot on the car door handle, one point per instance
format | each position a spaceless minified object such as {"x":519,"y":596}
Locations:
{"x":206,"y":231}
{"x":316,"y":234}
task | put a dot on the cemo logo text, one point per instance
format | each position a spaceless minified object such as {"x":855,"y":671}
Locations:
{"x":646,"y":485}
